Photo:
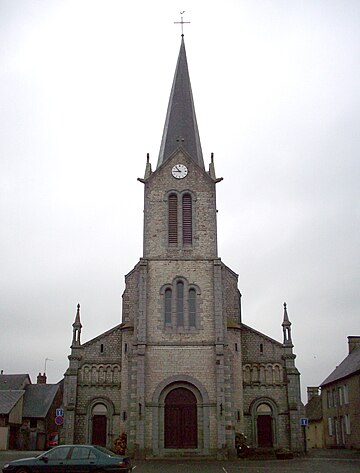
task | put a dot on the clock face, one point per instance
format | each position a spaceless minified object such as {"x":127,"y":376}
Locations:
{"x":179,"y":171}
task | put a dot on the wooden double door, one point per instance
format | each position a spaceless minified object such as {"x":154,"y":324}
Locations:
{"x":180,"y":419}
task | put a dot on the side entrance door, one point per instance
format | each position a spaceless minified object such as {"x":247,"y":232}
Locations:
{"x":99,"y":430}
{"x":264,"y":428}
{"x":180,"y":419}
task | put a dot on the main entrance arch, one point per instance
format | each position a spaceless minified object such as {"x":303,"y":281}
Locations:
{"x":180,"y":419}
{"x":180,"y":415}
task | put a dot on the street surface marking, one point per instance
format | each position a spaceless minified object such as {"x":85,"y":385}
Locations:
{"x":225,"y":470}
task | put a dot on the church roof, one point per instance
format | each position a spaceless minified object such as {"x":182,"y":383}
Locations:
{"x":181,"y":127}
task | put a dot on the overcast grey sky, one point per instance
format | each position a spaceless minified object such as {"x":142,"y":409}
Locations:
{"x":84,"y":86}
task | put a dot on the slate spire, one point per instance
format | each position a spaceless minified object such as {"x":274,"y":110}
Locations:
{"x":181,"y":127}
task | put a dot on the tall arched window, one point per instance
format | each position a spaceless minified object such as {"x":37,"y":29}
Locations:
{"x":192,"y":308}
{"x":168,"y":297}
{"x":180,"y":303}
{"x":173,"y":218}
{"x":187,"y":219}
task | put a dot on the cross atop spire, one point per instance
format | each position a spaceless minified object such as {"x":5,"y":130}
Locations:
{"x":181,"y":22}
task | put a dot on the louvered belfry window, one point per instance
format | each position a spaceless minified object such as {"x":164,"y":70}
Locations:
{"x":173,"y":218}
{"x":187,"y":219}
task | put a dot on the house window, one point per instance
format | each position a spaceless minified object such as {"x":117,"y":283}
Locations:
{"x":261,"y":348}
{"x":33,"y":423}
{"x":340,"y":394}
{"x":173,"y":218}
{"x":346,"y":394}
{"x":347,"y":424}
{"x":187,"y":219}
{"x":328,"y":399}
{"x":334,"y":397}
{"x":330,"y":426}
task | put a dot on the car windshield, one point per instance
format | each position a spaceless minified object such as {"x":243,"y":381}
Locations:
{"x":106,"y":451}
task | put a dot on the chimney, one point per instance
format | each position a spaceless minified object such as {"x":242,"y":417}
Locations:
{"x":354,"y":342}
{"x":41,"y":378}
{"x":312,"y":391}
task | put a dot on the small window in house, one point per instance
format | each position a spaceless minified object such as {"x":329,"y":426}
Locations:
{"x":347,"y":424}
{"x":340,"y":395}
{"x":102,"y":348}
{"x":236,"y":347}
{"x":261,"y":348}
{"x":125,"y":347}
{"x":33,"y":423}
{"x":330,"y":426}
{"x":328,"y":398}
{"x":346,"y":394}
{"x":334,"y":397}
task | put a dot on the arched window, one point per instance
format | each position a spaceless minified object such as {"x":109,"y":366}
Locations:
{"x":192,"y":308}
{"x":187,"y":219}
{"x":180,"y":303}
{"x":173,"y":218}
{"x":168,"y":297}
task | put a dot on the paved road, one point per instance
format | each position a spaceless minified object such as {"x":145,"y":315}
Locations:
{"x":306,"y":465}
{"x":326,"y":462}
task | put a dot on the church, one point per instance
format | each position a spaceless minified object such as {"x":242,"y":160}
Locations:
{"x":181,"y":374}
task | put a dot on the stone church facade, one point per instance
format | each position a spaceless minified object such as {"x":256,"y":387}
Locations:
{"x":182,"y":374}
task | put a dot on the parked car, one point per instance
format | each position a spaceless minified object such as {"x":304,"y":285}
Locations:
{"x":72,"y":458}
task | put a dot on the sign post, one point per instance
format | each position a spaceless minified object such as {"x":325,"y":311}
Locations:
{"x":304,"y":421}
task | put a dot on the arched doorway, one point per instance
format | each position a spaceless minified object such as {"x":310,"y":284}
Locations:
{"x":180,"y":419}
{"x":99,"y":425}
{"x":264,"y":426}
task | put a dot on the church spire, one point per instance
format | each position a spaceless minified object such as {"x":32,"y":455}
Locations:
{"x":286,"y":325}
{"x":76,"y":328}
{"x":181,"y":127}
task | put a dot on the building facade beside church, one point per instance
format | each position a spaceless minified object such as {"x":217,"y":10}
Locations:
{"x":182,"y":373}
